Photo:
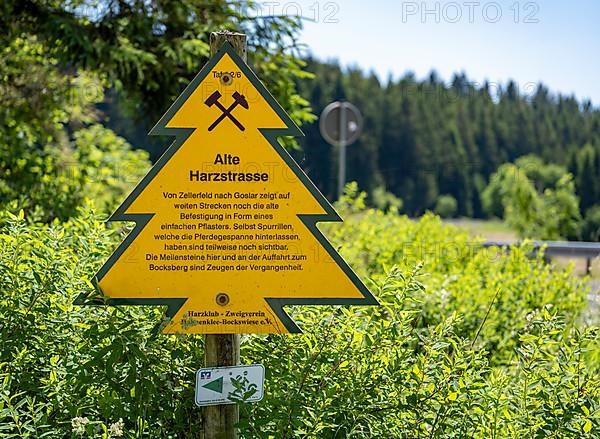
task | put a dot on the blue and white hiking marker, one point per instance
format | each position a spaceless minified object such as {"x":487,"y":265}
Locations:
{"x":230,"y":385}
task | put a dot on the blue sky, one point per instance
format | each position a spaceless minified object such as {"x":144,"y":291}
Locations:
{"x":556,"y":42}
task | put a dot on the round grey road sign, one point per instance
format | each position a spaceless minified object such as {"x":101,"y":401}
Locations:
{"x":340,"y":123}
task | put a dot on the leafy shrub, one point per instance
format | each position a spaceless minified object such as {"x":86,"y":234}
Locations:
{"x":446,"y":206}
{"x":462,"y":276}
{"x":61,"y":362}
{"x":385,"y":201}
{"x":590,"y":229}
{"x":106,"y":165}
{"x":53,"y":155}
{"x":537,"y":200}
{"x":465,"y":344}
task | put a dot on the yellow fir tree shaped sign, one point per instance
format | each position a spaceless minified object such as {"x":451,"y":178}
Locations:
{"x":225,"y":231}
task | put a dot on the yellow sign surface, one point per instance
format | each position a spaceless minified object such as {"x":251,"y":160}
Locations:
{"x":225,"y":230}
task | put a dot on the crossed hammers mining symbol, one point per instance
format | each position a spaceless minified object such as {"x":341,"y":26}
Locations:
{"x":238,"y":99}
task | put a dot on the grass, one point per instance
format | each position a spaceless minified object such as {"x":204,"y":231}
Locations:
{"x":491,"y":230}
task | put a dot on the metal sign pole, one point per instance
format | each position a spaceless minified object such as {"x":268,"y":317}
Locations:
{"x":342,"y":145}
{"x":340,"y":125}
{"x":222,"y":349}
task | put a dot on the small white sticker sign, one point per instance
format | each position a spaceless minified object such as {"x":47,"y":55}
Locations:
{"x":230,"y":385}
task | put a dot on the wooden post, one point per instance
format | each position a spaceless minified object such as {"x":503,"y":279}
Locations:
{"x":238,"y":41}
{"x":588,"y":265}
{"x":222,"y":349}
{"x":219,"y":420}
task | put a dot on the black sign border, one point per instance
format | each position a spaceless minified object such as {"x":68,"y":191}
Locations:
{"x":181,"y":135}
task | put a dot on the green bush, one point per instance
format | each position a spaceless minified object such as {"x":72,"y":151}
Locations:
{"x":462,"y":276}
{"x":446,"y":206}
{"x":384,"y":200}
{"x":537,"y":200}
{"x":590,"y":229}
{"x":53,"y":154}
{"x":61,"y":362}
{"x":466,"y":343}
